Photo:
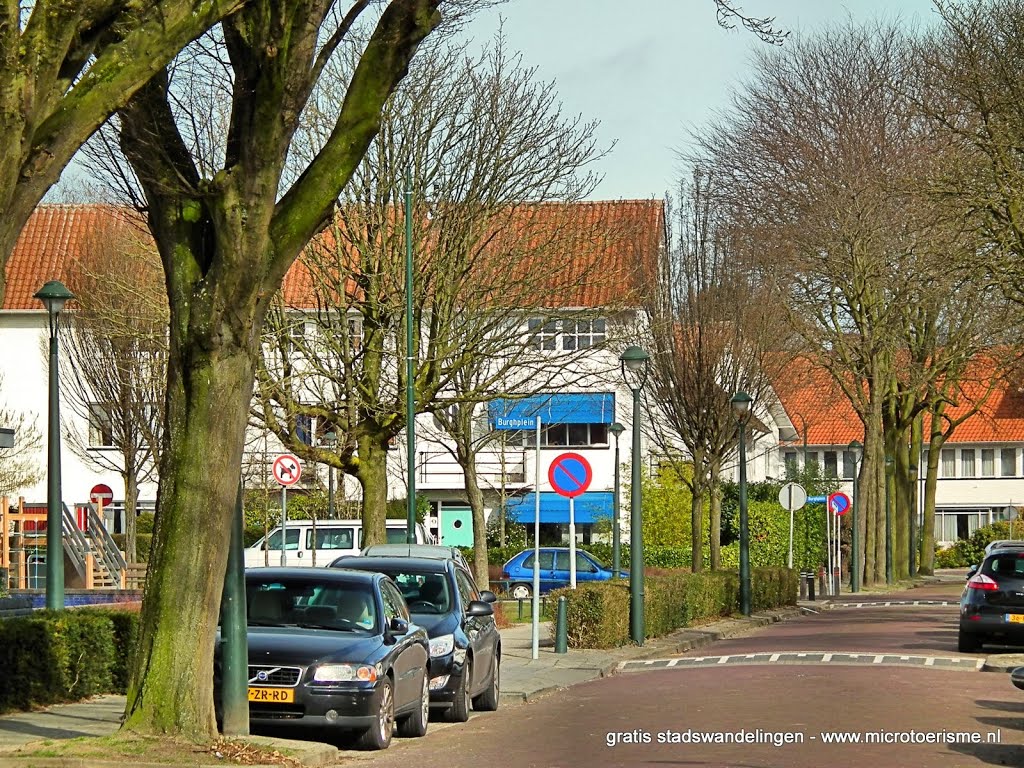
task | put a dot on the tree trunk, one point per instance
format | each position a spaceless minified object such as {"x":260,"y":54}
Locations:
{"x":931,"y":482}
{"x":373,"y":477}
{"x":476,"y":504}
{"x":715,"y":534}
{"x":131,"y":499}
{"x":171,"y":691}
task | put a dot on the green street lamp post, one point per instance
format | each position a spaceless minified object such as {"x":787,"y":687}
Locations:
{"x":888,"y":520}
{"x":330,"y":439}
{"x":410,"y":388}
{"x":635,"y":363}
{"x":616,"y":429}
{"x":854,"y":449}
{"x":741,"y":407}
{"x":54,"y":295}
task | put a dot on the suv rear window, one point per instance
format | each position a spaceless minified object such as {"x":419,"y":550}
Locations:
{"x":1006,"y":564}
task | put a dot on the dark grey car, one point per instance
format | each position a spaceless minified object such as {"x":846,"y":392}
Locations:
{"x":992,"y":604}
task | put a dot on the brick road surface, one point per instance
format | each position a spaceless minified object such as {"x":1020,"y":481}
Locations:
{"x":886,"y":703}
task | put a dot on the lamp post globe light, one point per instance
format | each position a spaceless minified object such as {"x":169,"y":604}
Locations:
{"x":54,"y":295}
{"x":616,"y":429}
{"x":741,"y":407}
{"x":888,"y":520}
{"x":854,"y":449}
{"x":635,"y":363}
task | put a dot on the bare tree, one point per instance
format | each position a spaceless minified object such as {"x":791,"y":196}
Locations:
{"x":716,"y":330}
{"x":19,"y":465}
{"x":116,"y":348}
{"x":493,"y":250}
{"x":826,"y":165}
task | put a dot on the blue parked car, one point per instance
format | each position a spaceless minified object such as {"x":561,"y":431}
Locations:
{"x":517,"y":573}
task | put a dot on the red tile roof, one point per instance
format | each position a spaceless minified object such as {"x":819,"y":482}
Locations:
{"x":609,"y":250}
{"x":807,"y":390}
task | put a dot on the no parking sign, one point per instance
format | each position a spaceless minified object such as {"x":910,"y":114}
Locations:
{"x":838,"y":503}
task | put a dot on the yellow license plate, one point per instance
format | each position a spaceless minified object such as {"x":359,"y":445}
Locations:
{"x":1015,"y":618}
{"x":272,"y":695}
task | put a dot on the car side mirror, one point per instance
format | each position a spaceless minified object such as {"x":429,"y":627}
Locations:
{"x":398,"y":625}
{"x":488,"y":597}
{"x":971,"y":571}
{"x":479,"y":608}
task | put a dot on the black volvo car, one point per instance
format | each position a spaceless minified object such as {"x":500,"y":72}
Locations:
{"x":465,"y":645}
{"x":992,"y":604}
{"x":334,"y":649}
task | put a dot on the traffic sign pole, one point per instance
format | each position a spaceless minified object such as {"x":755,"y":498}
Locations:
{"x":284,"y":525}
{"x":535,"y":630}
{"x":572,"y":542}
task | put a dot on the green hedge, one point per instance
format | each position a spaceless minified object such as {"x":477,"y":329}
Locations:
{"x":53,"y":657}
{"x":598,"y":613}
{"x":125,"y":625}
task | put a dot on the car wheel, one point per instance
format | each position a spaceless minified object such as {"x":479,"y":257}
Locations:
{"x":488,"y":700}
{"x":521,"y":591}
{"x":415,"y":725}
{"x":459,"y":710}
{"x":379,"y":735}
{"x":968,"y":643}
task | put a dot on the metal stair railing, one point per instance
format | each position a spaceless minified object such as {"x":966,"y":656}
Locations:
{"x":104,"y":546}
{"x":75,"y":544}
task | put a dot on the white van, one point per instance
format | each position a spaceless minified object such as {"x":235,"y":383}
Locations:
{"x":334,"y":538}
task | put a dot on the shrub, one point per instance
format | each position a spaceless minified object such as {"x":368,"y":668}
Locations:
{"x":55,"y":657}
{"x":773,"y":588}
{"x":597,"y":614}
{"x":950,"y":557}
{"x":125,"y":625}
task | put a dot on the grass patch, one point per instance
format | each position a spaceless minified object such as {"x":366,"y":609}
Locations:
{"x":135,"y":748}
{"x":510,"y":612}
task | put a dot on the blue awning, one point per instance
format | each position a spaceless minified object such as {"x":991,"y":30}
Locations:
{"x":562,"y":408}
{"x":554,"y":508}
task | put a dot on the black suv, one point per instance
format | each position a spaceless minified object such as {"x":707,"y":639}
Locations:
{"x":465,"y":645}
{"x":992,"y":604}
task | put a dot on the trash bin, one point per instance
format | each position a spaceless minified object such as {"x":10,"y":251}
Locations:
{"x":36,"y":565}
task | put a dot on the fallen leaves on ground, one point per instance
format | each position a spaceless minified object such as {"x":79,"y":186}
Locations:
{"x":244,"y":753}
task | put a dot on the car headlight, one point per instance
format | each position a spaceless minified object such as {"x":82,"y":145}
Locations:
{"x":442,"y":646}
{"x":342,"y":673}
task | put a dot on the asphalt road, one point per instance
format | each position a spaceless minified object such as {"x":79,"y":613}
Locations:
{"x":761,"y":715}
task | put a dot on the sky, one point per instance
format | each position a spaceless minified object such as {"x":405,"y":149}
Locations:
{"x":651,"y":72}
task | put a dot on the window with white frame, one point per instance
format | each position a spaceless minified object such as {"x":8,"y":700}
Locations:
{"x":101,"y":427}
{"x":967,"y":468}
{"x":567,"y":435}
{"x":948,"y":462}
{"x":792,"y":464}
{"x":543,"y":333}
{"x":988,"y":462}
{"x":582,"y":334}
{"x":566,"y":335}
{"x":849,"y":465}
{"x":1008,"y":462}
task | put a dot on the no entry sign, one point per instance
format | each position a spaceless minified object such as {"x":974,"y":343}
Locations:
{"x":101,"y":493}
{"x":570,"y":475}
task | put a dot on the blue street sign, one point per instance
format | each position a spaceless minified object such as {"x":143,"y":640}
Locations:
{"x":514,"y":422}
{"x":817,"y":499}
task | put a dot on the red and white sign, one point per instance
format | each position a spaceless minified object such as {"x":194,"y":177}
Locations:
{"x":570,"y":475}
{"x":101,"y":493}
{"x":287,"y":469}
{"x":839,"y":503}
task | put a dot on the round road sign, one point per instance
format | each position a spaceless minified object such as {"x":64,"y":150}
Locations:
{"x":287,"y":469}
{"x":570,"y":474}
{"x":792,"y":496}
{"x":838,"y":503}
{"x":101,"y":493}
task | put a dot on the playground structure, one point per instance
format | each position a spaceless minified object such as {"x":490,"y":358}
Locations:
{"x":92,"y":559}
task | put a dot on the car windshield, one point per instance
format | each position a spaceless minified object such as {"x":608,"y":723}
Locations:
{"x":309,"y":602}
{"x":424,"y":592}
